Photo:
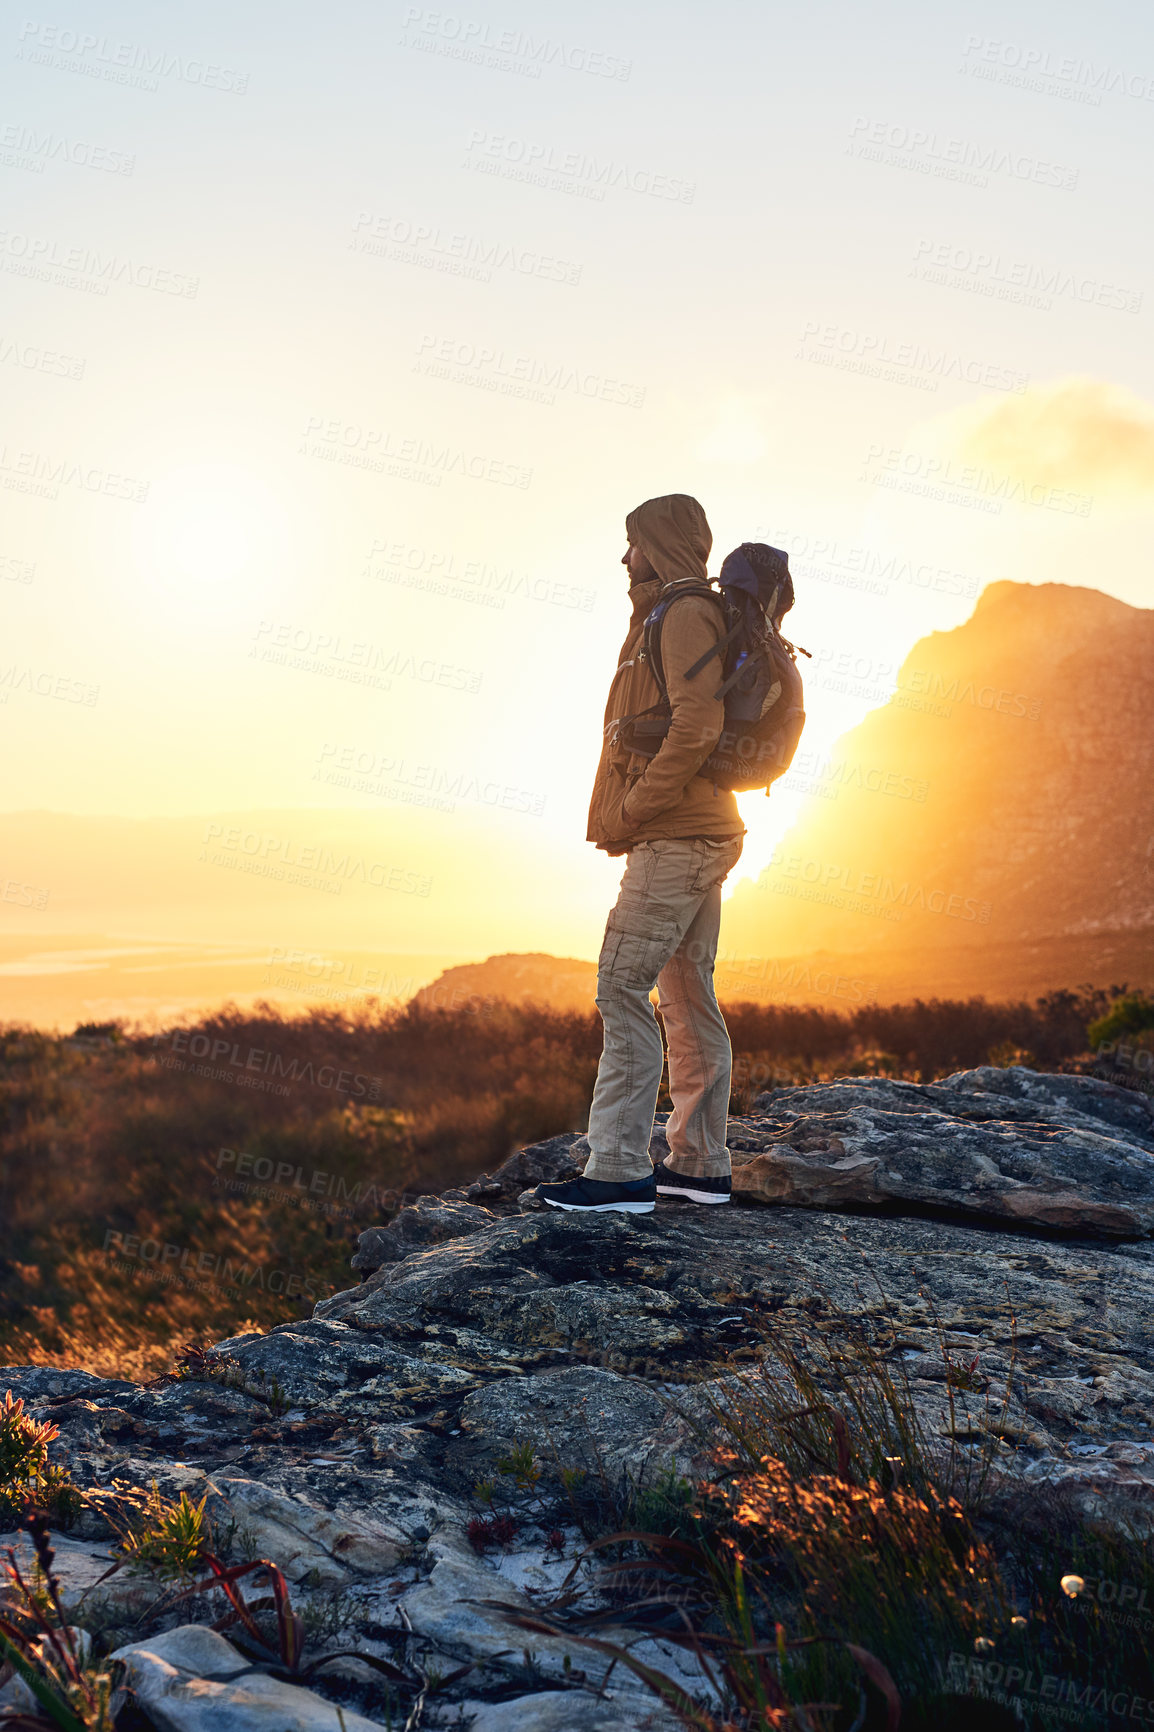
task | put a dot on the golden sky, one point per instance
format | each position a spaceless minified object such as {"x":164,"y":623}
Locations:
{"x":336,"y":349}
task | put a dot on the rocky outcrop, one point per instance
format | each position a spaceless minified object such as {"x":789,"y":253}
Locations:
{"x":979,"y":829}
{"x":1067,"y":1153}
{"x":989,"y":1235}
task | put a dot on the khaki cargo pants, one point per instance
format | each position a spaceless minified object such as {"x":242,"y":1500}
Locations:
{"x":663,"y":931}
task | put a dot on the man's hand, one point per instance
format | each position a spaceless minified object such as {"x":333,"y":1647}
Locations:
{"x":617,"y":821}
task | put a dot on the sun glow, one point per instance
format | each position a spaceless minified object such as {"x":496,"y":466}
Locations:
{"x":211,"y":525}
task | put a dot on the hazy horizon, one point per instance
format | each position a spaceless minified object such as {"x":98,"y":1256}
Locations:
{"x":336,"y":354}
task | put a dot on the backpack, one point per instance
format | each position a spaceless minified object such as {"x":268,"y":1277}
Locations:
{"x":761,"y":685}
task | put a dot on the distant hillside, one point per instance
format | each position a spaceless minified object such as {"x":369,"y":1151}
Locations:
{"x":993,"y":826}
{"x":562,"y":981}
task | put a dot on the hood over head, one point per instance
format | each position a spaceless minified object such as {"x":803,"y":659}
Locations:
{"x":674,"y":535}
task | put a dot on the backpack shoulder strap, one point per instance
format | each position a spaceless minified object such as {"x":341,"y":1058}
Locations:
{"x":651,"y":643}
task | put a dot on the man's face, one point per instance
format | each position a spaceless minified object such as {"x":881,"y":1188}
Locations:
{"x":636,"y":565}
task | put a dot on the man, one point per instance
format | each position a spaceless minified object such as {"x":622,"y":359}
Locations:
{"x":681,"y":836}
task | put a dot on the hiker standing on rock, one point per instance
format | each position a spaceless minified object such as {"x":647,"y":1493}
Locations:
{"x":681,"y":834}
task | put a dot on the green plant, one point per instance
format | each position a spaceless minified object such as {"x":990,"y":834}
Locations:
{"x":23,"y":1442}
{"x":161,"y":1536}
{"x":43,"y":1650}
{"x":27,"y":1477}
{"x":327,"y":1612}
{"x":521,"y":1466}
{"x":667,"y":1504}
{"x":1133,"y":1013}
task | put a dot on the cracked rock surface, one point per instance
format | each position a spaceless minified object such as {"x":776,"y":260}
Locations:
{"x":998,"y":1220}
{"x":1068,"y":1153}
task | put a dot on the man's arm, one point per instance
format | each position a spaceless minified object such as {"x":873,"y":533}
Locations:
{"x":692,"y":626}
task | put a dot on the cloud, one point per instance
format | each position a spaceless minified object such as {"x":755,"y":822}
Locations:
{"x":1080,"y":433}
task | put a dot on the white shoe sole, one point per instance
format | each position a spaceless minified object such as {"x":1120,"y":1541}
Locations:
{"x":691,"y":1196}
{"x":603,"y":1208}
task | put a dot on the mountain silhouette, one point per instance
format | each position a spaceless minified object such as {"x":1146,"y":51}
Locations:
{"x":991,"y":827}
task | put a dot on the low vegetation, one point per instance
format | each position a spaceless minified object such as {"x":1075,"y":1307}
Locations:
{"x":840,"y":1568}
{"x":844,"y":1565}
{"x":184,"y":1185}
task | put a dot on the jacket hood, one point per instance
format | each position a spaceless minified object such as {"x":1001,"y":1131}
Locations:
{"x":674,"y":535}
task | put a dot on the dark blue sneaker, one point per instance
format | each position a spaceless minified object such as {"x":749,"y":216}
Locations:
{"x":671,"y":1184}
{"x":639,"y":1197}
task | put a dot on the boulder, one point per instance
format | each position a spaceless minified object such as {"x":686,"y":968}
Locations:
{"x":432,"y":1220}
{"x":191,"y":1680}
{"x":567,"y":1711}
{"x":1061,"y":1154}
{"x":308,"y":1541}
{"x":461,"y":1610}
{"x":428,"y":1221}
{"x":81,"y":1568}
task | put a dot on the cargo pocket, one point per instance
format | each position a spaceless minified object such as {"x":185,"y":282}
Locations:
{"x":634,"y":959}
{"x":717,"y":861}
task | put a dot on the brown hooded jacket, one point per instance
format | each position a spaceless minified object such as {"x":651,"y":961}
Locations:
{"x":638,"y":799}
